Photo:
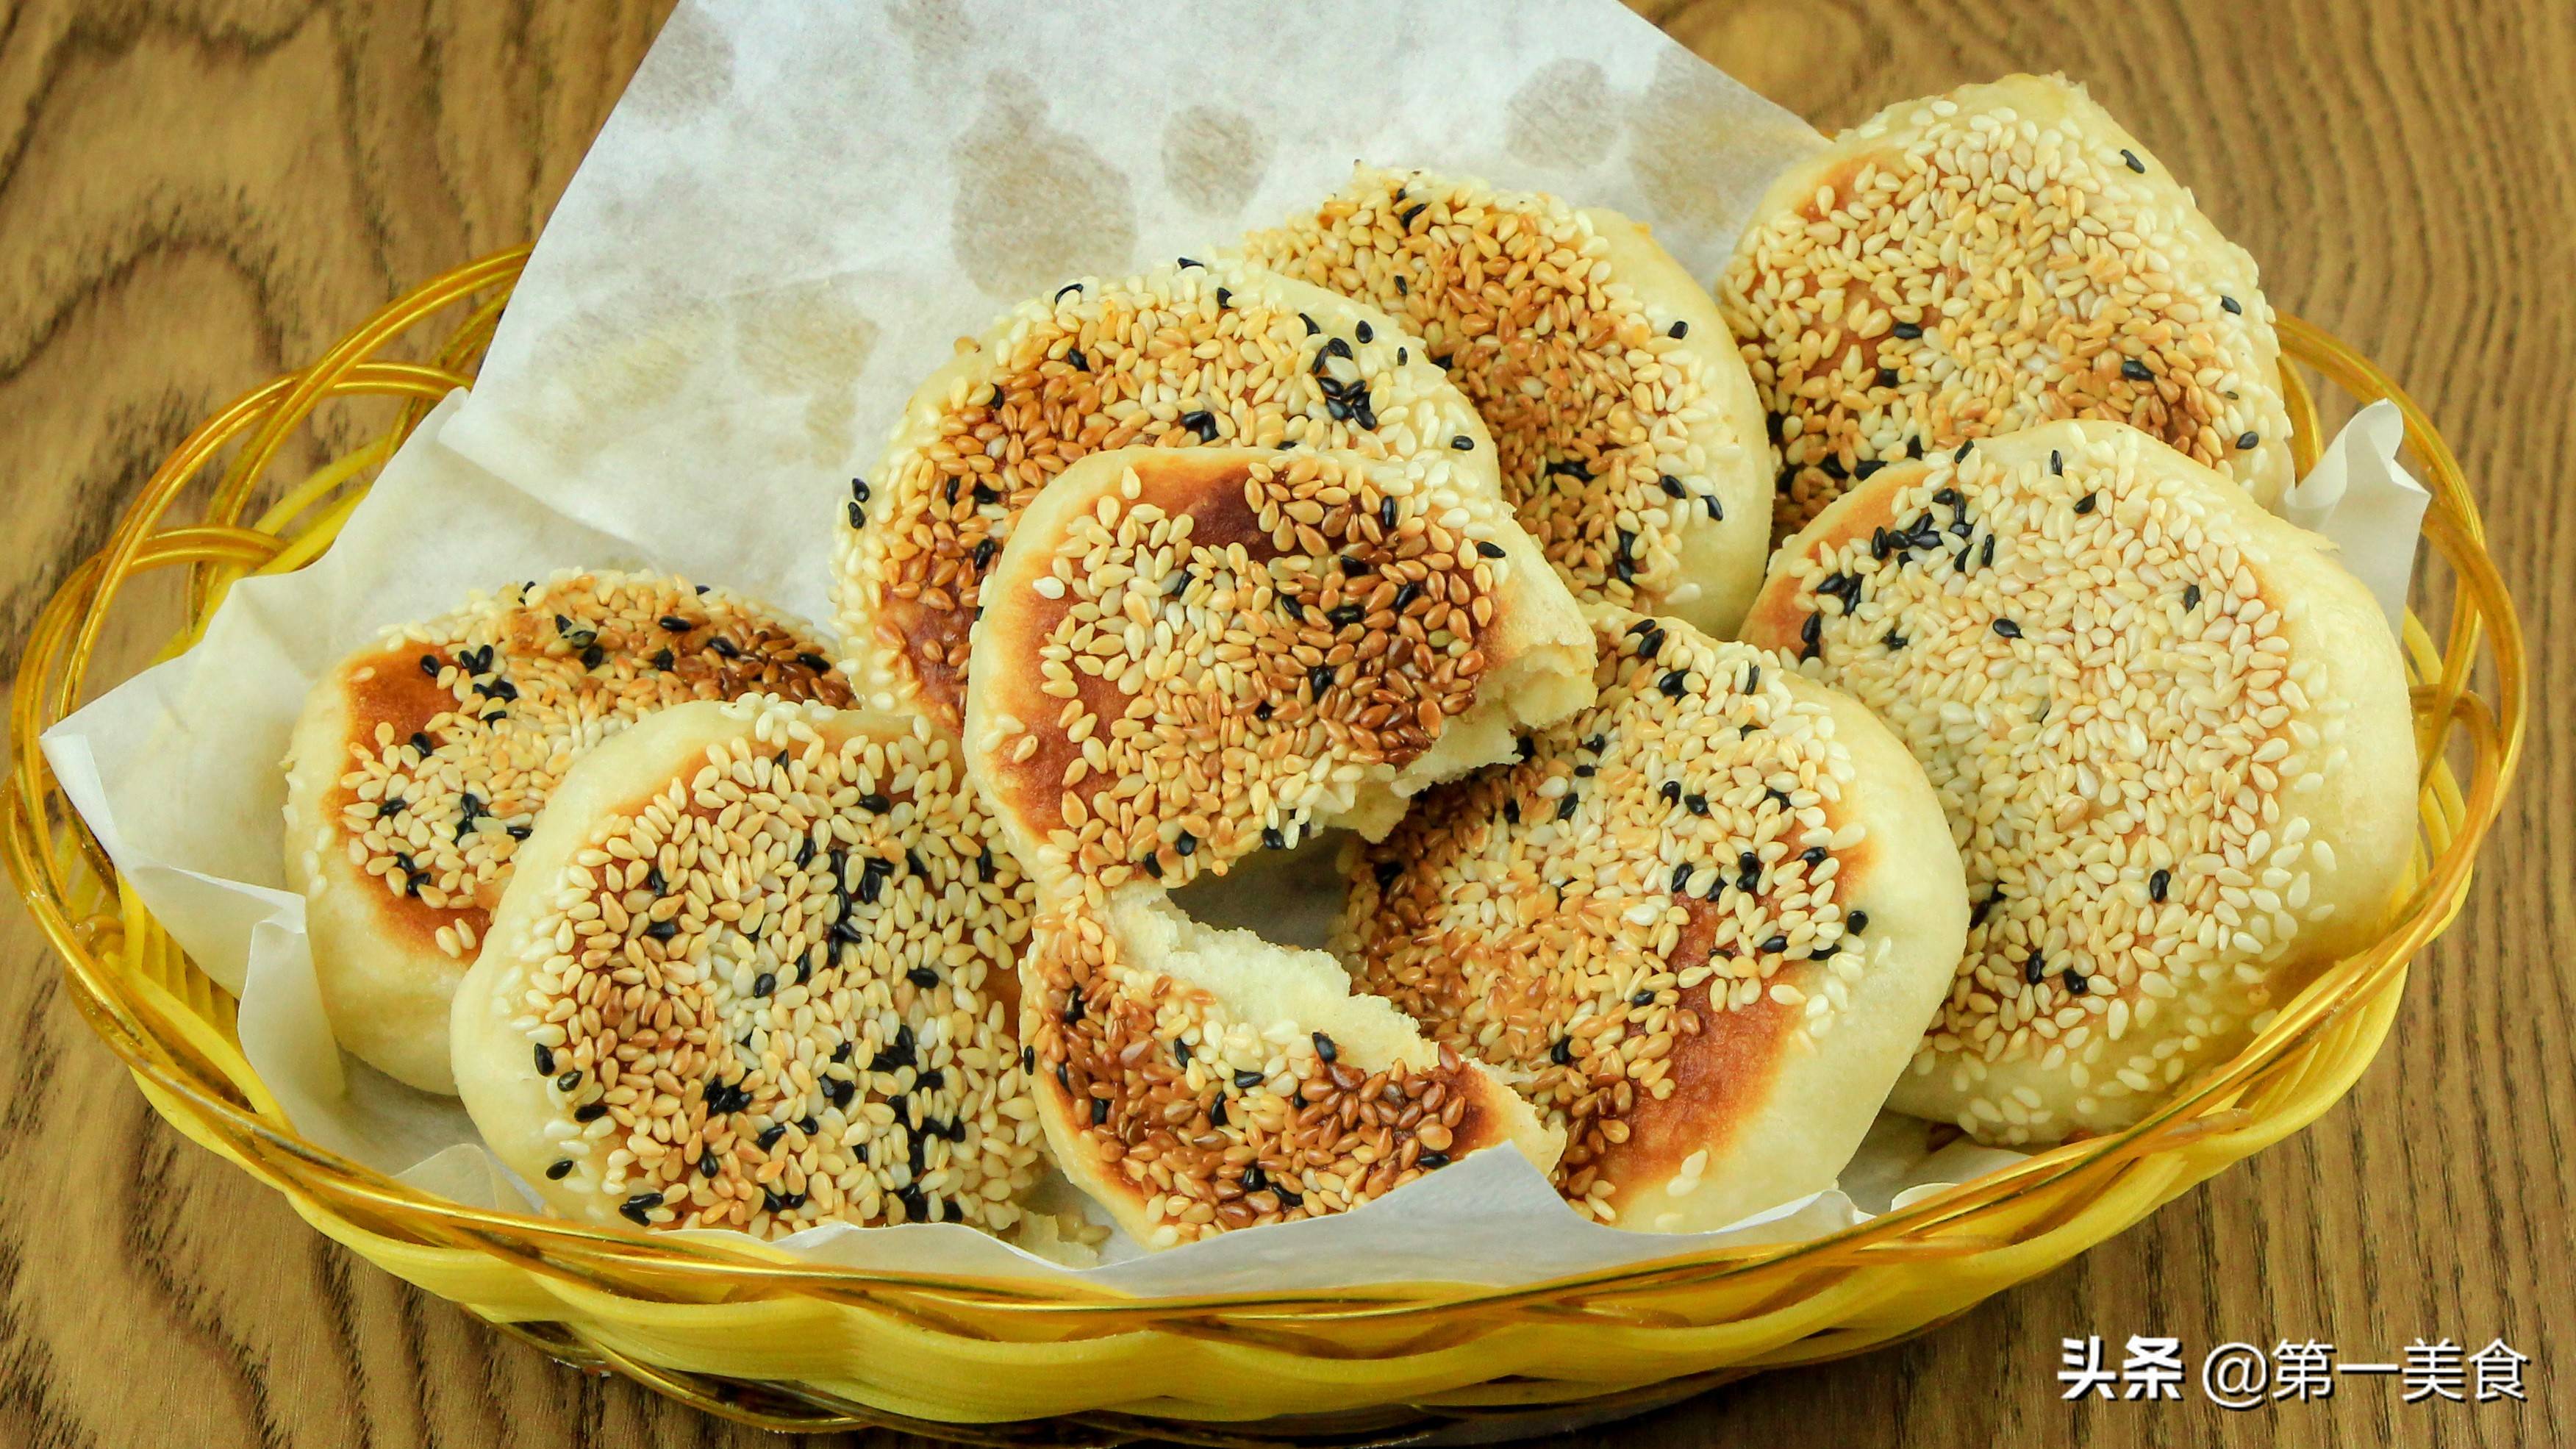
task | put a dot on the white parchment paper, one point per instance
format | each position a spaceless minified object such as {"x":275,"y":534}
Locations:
{"x":787,"y":220}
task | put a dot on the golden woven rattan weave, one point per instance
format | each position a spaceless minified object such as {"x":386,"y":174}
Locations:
{"x":763,"y":1338}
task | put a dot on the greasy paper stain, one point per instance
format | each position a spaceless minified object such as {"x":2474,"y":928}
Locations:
{"x":1670,"y":163}
{"x":1213,"y":159}
{"x":939,"y":33}
{"x":1563,"y":116}
{"x":691,"y":70}
{"x":1034,"y":204}
{"x":809,"y":340}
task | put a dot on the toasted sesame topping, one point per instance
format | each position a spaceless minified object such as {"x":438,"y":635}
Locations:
{"x":1218,"y":1122}
{"x":1609,"y":423}
{"x":2122,"y":766}
{"x":776,"y":1058}
{"x":1978,"y":264}
{"x":503,"y":695}
{"x":1586,"y":943}
{"x":1230,"y":651}
{"x":1155,"y":360}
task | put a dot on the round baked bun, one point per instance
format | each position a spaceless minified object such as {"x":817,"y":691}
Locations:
{"x":1631,"y":439}
{"x":2171,"y":736}
{"x":419,"y":764}
{"x":754,"y":971}
{"x":1186,"y":656}
{"x":2003,"y":256}
{"x":1182,"y":356}
{"x":1194,"y":1080}
{"x":1701,"y":926}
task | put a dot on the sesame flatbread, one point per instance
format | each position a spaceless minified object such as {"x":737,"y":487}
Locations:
{"x":2171,"y":736}
{"x":1187,"y":355}
{"x":1188,"y":656}
{"x":754,"y":971}
{"x":1629,"y":433}
{"x":2005,"y":255}
{"x":419,"y":764}
{"x":1195,"y":1081}
{"x":1700,"y":926}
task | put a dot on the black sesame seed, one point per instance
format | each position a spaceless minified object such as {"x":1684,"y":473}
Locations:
{"x":1271,"y":839}
{"x":1867,"y":466}
{"x":1404,"y":218}
{"x":1673,"y":683}
{"x":1404,"y":597}
{"x":1813,"y":855}
{"x":1887,"y":377}
{"x":1201,"y":422}
{"x":1311,"y":328}
{"x":1671,"y":792}
{"x":1386,"y":871}
{"x":2231,"y":305}
{"x":922,"y":976}
{"x":1894,"y":640}
{"x":1562,"y":1053}
{"x":1152,"y":864}
{"x":1261,"y":711}
{"x":1906,"y":331}
{"x":1187,"y":844}
{"x":769,"y":1136}
{"x":662,"y":930}
{"x":1067,"y":287}
{"x":1364,"y":332}
{"x":1681,"y":877}
{"x":2008,"y":628}
{"x":1188,"y":262}
{"x":1833,"y":466}
{"x":1489,"y":548}
{"x":559,"y":1170}
{"x":423,"y":744}
{"x":1075,"y":356}
{"x":1324,"y":1048}
{"x":569,"y":1081}
{"x":1986,"y":555}
{"x":1511,"y":812}
{"x":765,"y":983}
{"x":1565,"y":807}
{"x":2246,"y":441}
{"x":2135,"y":371}
{"x":2085,"y":504}
{"x":1319,"y":679}
{"x":639,"y":1208}
{"x":663,"y":659}
{"x":2034,"y":969}
{"x":1463,"y":443}
{"x":1775,"y":945}
{"x":1856,"y":922}
{"x":2158,"y":884}
{"x":1961,"y":456}
{"x":591,"y":1113}
{"x":1695,"y":804}
{"x":1386,"y":513}
{"x":2132,"y":158}
{"x":2190,"y":597}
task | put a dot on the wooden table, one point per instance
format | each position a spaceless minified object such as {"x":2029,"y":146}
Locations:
{"x":189,"y":204}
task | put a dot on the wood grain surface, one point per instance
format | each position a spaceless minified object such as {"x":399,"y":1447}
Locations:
{"x":195,"y":194}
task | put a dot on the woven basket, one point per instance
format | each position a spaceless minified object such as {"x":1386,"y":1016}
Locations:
{"x":759,"y":1337}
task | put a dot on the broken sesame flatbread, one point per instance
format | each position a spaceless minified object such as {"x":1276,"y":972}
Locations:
{"x":1189,"y":656}
{"x":1700,"y":927}
{"x":1195,"y":1081}
{"x":419,"y":765}
{"x":2006,"y":255}
{"x":754,"y":971}
{"x":1629,"y":433}
{"x":1183,"y":356}
{"x":2171,"y":736}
